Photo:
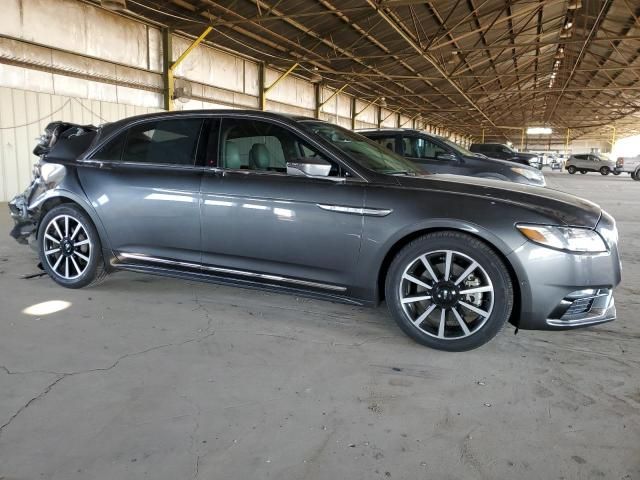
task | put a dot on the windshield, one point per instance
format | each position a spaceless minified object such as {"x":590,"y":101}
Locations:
{"x":364,"y":151}
{"x":458,"y":148}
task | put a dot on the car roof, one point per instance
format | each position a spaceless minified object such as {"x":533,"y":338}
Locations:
{"x":111,"y":126}
{"x":389,"y":130}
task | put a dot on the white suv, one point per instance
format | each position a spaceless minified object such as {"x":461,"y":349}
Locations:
{"x":591,"y":162}
{"x":630,"y":165}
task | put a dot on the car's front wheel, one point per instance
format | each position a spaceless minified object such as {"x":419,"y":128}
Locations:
{"x":605,"y":171}
{"x":636,"y":175}
{"x":69,"y":247}
{"x":449,"y":291}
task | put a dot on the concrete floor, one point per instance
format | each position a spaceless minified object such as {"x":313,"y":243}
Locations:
{"x":145,"y":377}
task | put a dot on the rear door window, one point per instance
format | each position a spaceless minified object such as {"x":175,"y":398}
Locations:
{"x":170,"y":142}
{"x":418,"y":147}
{"x":388,"y":142}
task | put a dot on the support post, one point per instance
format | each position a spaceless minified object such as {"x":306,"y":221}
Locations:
{"x":566,"y":145}
{"x":263,"y":104}
{"x":522,"y":140}
{"x":167,"y":73}
{"x":613,"y":137}
{"x":482,"y":136}
{"x":262,"y":101}
{"x":317,"y":90}
{"x":353,"y":113}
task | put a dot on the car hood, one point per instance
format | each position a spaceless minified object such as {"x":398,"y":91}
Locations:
{"x":567,"y":209}
{"x":497,"y":161}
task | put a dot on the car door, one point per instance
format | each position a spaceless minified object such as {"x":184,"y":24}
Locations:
{"x":146,"y":190}
{"x":596,"y":162}
{"x":429,"y":155}
{"x":261,"y":220}
{"x":581,"y":162}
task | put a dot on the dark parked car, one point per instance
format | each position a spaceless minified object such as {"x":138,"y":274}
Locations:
{"x":439,"y":155}
{"x":299,"y":205}
{"x":503,"y":152}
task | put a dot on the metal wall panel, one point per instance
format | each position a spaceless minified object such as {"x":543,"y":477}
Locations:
{"x":81,"y":28}
{"x":389,"y":119}
{"x":23,"y":116}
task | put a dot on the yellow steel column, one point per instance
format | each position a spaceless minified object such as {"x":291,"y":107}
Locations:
{"x":566,"y":146}
{"x":482,"y":136}
{"x":266,"y":90}
{"x":613,"y":137}
{"x":522,"y":140}
{"x":170,"y":87}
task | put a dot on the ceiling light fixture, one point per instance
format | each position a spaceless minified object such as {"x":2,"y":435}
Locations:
{"x":539,"y":131}
{"x":315,"y":76}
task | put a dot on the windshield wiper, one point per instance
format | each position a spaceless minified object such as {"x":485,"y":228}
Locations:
{"x":403,"y":172}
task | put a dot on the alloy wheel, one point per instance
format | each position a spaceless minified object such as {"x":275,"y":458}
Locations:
{"x":446,"y":294}
{"x":67,"y":247}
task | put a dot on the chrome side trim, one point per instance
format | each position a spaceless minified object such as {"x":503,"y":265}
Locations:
{"x":371,"y":212}
{"x":231,"y":271}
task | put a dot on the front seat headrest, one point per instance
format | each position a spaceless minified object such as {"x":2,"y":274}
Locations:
{"x":259,"y":157}
{"x":232,"y":156}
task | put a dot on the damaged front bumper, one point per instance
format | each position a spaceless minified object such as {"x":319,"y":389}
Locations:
{"x":25,"y":220}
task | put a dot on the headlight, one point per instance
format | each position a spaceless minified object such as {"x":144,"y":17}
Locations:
{"x":579,"y":240}
{"x":525,"y":172}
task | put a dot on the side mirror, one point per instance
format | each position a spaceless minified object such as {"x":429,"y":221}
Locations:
{"x":306,"y":167}
{"x":448,"y":157}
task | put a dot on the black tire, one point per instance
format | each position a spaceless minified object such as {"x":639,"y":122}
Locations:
{"x":78,"y":261}
{"x":616,"y":172}
{"x":496,"y":305}
{"x":583,"y":172}
{"x":605,"y":171}
{"x":636,"y":175}
{"x":571,"y":169}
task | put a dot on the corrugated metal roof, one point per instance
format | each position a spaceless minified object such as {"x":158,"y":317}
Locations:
{"x":462,"y":64}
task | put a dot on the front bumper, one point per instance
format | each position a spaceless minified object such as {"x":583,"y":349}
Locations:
{"x":583,"y":308}
{"x":561,"y":290}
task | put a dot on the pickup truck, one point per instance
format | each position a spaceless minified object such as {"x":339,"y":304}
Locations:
{"x":630,"y":165}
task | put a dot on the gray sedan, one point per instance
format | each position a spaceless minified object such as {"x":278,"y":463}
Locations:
{"x":298,"y":205}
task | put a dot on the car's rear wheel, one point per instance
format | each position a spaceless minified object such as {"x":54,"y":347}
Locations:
{"x":583,"y":172}
{"x":605,"y":171}
{"x":636,"y":175}
{"x":449,"y":291}
{"x":616,"y":172}
{"x":571,"y":169}
{"x":69,"y":247}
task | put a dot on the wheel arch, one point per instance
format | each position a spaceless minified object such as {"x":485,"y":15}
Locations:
{"x":502,"y":251}
{"x":54,"y":198}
